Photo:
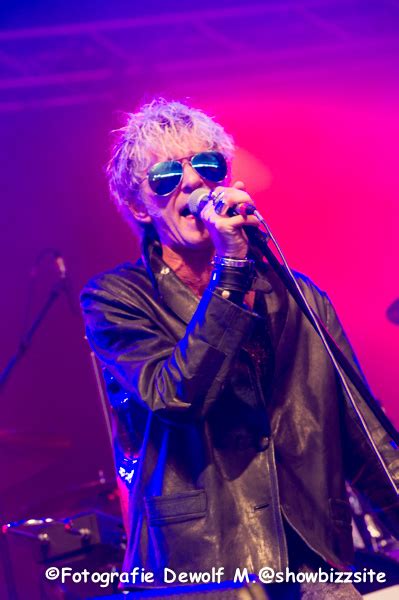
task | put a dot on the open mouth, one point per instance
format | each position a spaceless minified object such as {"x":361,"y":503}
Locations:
{"x":185,"y":212}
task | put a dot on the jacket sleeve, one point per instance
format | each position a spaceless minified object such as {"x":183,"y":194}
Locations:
{"x":144,"y":358}
{"x":363,"y":469}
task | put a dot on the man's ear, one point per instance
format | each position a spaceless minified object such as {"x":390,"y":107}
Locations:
{"x":139,"y":210}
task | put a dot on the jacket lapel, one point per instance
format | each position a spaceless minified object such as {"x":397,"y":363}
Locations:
{"x":173,"y":292}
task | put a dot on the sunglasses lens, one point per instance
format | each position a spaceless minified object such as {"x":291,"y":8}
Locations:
{"x":210,"y":165}
{"x":164,"y":177}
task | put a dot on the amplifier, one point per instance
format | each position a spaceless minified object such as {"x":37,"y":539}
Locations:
{"x":92,"y":541}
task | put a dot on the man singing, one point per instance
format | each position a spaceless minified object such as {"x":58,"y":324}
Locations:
{"x":233,"y":438}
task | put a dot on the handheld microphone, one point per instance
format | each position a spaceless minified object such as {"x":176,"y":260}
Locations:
{"x":60,"y":265}
{"x":57,"y":259}
{"x":200,"y":197}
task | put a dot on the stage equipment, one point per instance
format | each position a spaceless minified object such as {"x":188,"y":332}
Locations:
{"x":375,"y":548}
{"x":61,"y":286}
{"x":223,"y":591}
{"x":93,"y":541}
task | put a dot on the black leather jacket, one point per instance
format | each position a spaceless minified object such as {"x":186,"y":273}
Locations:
{"x":230,"y":419}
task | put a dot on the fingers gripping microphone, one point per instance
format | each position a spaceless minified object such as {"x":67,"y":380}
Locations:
{"x":200,"y":197}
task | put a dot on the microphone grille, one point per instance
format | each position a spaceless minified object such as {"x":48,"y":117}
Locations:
{"x":196,"y":200}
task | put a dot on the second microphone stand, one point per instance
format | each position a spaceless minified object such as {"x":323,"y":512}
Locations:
{"x":56,"y":291}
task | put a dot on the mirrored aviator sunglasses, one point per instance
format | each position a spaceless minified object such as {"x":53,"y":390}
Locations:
{"x":164,"y":177}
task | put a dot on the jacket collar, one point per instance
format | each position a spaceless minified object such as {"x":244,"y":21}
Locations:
{"x":183,"y":302}
{"x":179,"y":297}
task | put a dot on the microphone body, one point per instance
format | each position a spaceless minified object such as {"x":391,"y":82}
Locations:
{"x":200,"y":197}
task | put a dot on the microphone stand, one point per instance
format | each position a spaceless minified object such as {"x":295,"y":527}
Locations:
{"x":343,"y":367}
{"x":24,"y":343}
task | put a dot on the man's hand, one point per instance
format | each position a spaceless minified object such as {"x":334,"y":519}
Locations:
{"x":227,"y":233}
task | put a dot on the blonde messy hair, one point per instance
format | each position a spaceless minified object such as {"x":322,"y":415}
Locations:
{"x":158,"y":128}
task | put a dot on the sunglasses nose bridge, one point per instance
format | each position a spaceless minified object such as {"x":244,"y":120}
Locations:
{"x":190,"y":174}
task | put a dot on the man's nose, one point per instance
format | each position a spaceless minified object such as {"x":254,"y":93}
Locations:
{"x":191,"y":179}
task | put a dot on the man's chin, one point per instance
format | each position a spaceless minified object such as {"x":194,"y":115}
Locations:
{"x":200,"y":242}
